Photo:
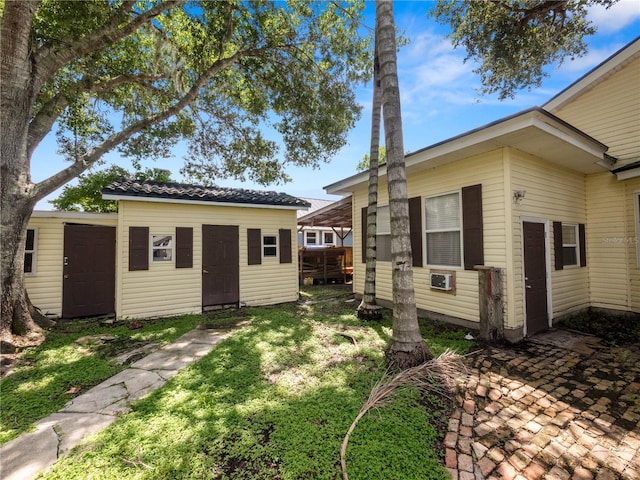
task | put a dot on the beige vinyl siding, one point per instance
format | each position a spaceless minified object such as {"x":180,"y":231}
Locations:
{"x":552,"y":194}
{"x":484,"y":169}
{"x":45,"y":286}
{"x":165,"y":290}
{"x":610,"y":112}
{"x":615,"y":277}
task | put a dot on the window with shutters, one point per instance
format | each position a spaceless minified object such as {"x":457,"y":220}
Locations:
{"x":570,"y":254}
{"x":383,"y":234}
{"x":269,"y":246}
{"x":443,"y":230}
{"x":30,"y":252}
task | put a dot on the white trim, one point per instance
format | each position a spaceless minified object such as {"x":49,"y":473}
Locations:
{"x":613,"y":63}
{"x":74,"y":215}
{"x":152,"y":248}
{"x":34,"y":253}
{"x":107,"y":196}
{"x":628,"y":174}
{"x":459,"y":230}
{"x":547,"y":254}
{"x":277,"y":246}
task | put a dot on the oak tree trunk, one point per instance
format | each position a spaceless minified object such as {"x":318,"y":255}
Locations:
{"x":406,"y":348}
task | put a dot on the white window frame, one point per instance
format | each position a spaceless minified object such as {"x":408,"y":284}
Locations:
{"x":443,"y":230}
{"x":382,"y":229}
{"x":333,"y":237}
{"x":575,"y":246}
{"x":34,"y":252}
{"x":275,"y":246}
{"x":153,"y":248}
{"x":306,"y":237}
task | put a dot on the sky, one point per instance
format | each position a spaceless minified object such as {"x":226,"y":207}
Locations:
{"x":439,"y":98}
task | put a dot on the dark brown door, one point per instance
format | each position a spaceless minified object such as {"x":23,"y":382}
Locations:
{"x":89,"y":271}
{"x":535,"y":277}
{"x":220,"y":265}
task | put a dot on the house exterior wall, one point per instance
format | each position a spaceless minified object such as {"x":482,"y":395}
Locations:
{"x":164,"y":290}
{"x":609,"y":112}
{"x":552,"y":194}
{"x":486,"y":169}
{"x":613,"y":243}
{"x":45,"y":285}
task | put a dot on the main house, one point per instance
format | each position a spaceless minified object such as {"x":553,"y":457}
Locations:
{"x":171,"y":249}
{"x":549,"y":198}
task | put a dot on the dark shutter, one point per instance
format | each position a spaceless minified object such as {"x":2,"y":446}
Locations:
{"x":184,"y":247}
{"x":254,"y":246}
{"x":364,"y":234}
{"x":415,"y":230}
{"x":285,"y":245}
{"x":472,"y":229}
{"x":583,"y":245}
{"x":557,"y":245}
{"x":138,"y":248}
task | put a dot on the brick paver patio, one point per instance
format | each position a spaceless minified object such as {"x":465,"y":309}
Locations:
{"x":535,"y":410}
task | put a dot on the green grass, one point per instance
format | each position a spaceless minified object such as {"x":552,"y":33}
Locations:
{"x":37,"y":387}
{"x":274,"y":401}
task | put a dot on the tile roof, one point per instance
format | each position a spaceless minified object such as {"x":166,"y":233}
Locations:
{"x":127,"y":187}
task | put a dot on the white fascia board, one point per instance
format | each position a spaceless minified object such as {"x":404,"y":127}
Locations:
{"x":594,"y":76}
{"x":73,"y":215}
{"x":200,"y":202}
{"x":628,"y":174}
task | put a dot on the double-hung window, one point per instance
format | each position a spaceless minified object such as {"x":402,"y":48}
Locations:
{"x":270,"y":246}
{"x":443,"y":230}
{"x":312,"y":238}
{"x":570,"y":249}
{"x":383,"y":234}
{"x":30,"y":252}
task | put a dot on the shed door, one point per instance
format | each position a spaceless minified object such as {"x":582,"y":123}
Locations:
{"x":220,"y":265}
{"x":89,"y":271}
{"x":535,"y":277}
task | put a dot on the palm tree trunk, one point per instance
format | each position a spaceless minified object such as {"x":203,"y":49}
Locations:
{"x":406,"y":348}
{"x":368,"y":310}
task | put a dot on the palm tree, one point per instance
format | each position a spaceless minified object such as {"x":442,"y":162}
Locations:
{"x":406,"y":348}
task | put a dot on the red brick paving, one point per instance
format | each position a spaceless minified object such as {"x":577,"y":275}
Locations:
{"x":535,"y":411}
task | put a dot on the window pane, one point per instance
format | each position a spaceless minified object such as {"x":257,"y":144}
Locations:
{"x":443,"y":212}
{"x":31,"y":236}
{"x":443,"y":248}
{"x":383,"y":221}
{"x":569,"y":256}
{"x":28,"y":262}
{"x":569,"y":235}
{"x":311,"y":238}
{"x":328,"y":237}
{"x":270,"y":240}
{"x":162,"y":246}
{"x":383,"y":248}
{"x":270,"y":251}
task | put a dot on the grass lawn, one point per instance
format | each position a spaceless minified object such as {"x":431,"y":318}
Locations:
{"x":273,"y":401}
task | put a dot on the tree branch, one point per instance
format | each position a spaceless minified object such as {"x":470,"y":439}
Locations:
{"x":48,"y":60}
{"x":93,"y":155}
{"x":50,"y":111}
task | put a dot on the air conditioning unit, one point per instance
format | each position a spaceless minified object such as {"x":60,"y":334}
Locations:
{"x":441,"y":281}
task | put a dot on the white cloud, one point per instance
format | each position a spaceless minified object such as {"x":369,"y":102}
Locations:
{"x":620,"y":15}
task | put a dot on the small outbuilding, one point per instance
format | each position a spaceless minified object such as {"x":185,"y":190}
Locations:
{"x":171,"y":249}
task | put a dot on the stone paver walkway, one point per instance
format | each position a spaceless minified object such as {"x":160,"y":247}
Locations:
{"x":24,"y":457}
{"x":540,"y":411}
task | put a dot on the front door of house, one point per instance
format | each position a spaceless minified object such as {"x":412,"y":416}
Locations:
{"x":220,"y":265}
{"x":535,"y":277}
{"x":89,"y":271}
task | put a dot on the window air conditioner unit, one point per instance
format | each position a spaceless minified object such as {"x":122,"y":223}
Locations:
{"x":441,"y":281}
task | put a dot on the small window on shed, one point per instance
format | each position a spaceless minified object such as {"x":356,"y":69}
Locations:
{"x":161,"y":248}
{"x":569,"y":245}
{"x":30,"y":252}
{"x":270,"y":246}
